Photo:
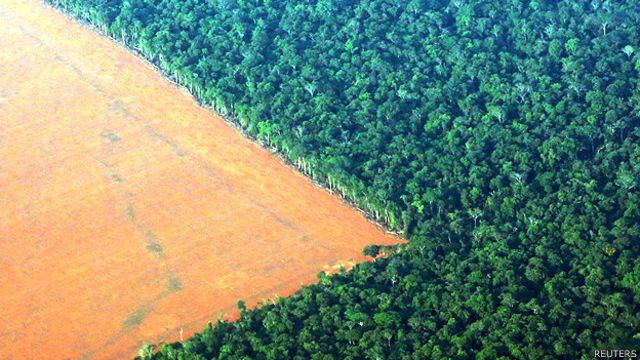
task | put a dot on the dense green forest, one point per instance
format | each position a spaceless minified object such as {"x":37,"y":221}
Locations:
{"x":501,"y":137}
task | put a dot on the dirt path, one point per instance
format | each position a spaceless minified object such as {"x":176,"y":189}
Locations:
{"x":126,"y":211}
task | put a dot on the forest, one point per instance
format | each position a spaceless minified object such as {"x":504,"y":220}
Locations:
{"x":502,"y":138}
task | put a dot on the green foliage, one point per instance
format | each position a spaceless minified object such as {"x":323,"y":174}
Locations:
{"x":265,"y":129}
{"x":572,"y":45}
{"x":146,"y":351}
{"x":502,"y":137}
{"x":371,"y":250}
{"x":628,"y":50}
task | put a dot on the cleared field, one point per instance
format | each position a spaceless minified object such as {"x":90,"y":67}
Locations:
{"x":127,"y":212}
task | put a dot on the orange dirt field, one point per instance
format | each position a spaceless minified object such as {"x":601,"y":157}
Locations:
{"x":127,"y":212}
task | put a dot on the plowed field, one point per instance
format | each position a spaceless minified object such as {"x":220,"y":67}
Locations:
{"x":127,"y":212}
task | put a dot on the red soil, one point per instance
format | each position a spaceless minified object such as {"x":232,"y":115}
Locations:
{"x":127,"y":212}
